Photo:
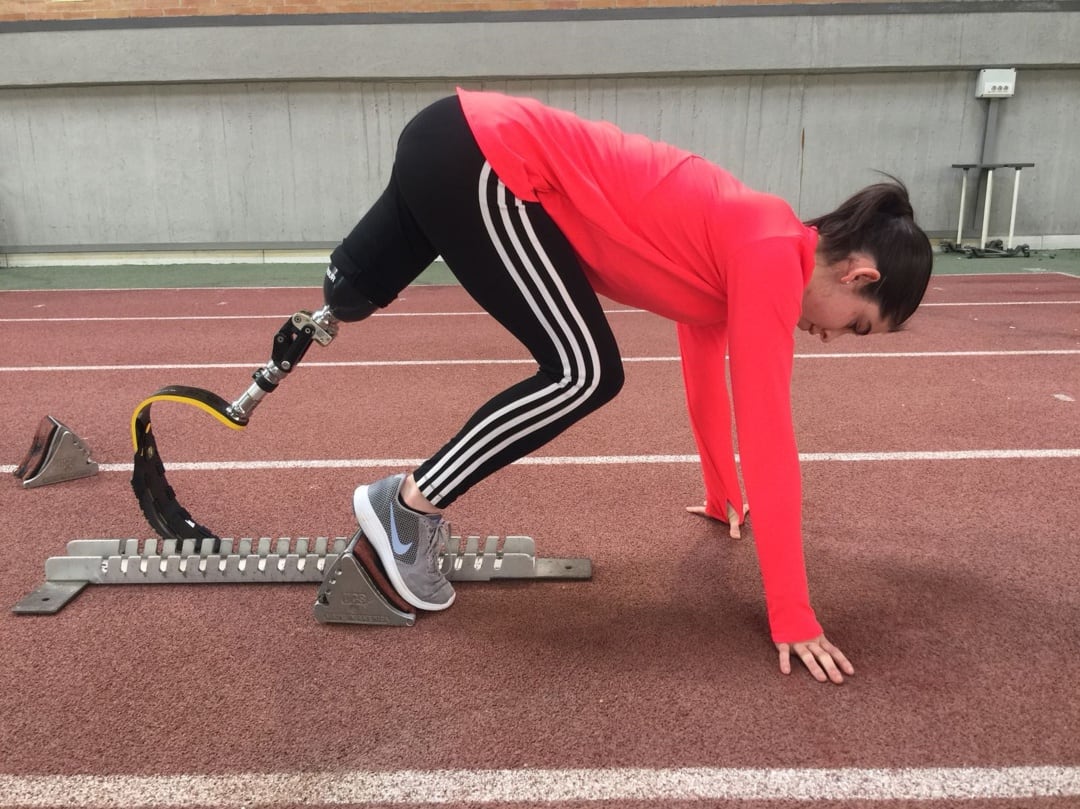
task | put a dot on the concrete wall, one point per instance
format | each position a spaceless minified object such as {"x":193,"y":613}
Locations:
{"x":279,"y":131}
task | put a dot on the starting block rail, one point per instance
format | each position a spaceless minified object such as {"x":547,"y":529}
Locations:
{"x":345,"y":593}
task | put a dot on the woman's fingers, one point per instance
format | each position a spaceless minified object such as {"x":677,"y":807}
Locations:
{"x":733,"y":520}
{"x":824,"y":660}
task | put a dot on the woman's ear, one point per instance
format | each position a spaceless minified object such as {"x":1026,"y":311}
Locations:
{"x":861,"y":270}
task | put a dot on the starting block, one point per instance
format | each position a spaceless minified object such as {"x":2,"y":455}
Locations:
{"x":352,"y":590}
{"x":56,"y":455}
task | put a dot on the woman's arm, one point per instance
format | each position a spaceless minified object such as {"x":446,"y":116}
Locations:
{"x":765,"y":287}
{"x":703,"y":350}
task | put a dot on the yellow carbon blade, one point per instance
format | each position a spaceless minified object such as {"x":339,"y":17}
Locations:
{"x":204,"y":400}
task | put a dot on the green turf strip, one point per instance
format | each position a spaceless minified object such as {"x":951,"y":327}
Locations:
{"x":176,"y":276}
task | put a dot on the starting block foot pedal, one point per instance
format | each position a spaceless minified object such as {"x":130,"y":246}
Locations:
{"x":56,"y":455}
{"x":349,"y":594}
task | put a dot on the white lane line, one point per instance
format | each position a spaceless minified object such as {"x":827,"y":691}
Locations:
{"x":282,"y":317}
{"x":1024,"y":273}
{"x":176,"y":290}
{"x":999,"y":303}
{"x":1035,"y":352}
{"x":598,"y":460}
{"x":412,"y":787}
{"x":161,"y":319}
{"x":207,"y":366}
{"x":477,"y":313}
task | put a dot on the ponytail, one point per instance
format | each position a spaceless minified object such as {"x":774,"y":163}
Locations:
{"x":880,"y":221}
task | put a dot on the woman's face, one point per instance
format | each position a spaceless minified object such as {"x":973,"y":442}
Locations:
{"x":832,"y":305}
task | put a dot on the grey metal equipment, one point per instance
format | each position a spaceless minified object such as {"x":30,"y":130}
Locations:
{"x":346,"y":594}
{"x":56,"y":455}
{"x":987,"y":248}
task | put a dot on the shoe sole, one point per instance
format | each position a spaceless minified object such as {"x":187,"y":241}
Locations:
{"x":376,"y":534}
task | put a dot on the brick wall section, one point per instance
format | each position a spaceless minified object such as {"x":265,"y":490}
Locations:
{"x":12,"y":10}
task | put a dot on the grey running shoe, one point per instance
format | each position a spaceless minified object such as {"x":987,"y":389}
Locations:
{"x":408,"y":543}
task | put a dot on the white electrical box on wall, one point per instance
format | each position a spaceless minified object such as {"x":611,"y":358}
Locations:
{"x":996,"y":82}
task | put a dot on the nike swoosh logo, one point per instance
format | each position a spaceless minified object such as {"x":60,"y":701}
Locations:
{"x":399,"y":547}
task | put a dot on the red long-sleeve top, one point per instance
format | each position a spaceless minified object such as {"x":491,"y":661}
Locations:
{"x":661,"y":229}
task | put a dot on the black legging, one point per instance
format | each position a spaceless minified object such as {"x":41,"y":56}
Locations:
{"x":444,"y":199}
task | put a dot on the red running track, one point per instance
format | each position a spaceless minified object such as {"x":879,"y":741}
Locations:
{"x":950,"y":580}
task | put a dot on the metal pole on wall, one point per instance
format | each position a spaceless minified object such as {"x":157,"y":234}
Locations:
{"x":986,"y":207}
{"x":1012,"y":216}
{"x":960,"y":218}
{"x":989,"y":144}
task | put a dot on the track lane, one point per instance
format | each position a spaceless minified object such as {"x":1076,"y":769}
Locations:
{"x":850,"y":405}
{"x":660,"y":661}
{"x":950,"y":584}
{"x":286,"y":300}
{"x":447,"y":332}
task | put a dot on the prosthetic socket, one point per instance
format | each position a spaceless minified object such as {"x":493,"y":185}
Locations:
{"x":343,"y":303}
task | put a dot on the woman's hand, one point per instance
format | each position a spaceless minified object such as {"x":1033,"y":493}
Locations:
{"x":825,"y":661}
{"x":732,"y":521}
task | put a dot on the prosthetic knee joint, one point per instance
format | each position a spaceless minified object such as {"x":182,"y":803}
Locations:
{"x":342,"y":303}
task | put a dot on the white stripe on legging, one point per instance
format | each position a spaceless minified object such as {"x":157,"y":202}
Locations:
{"x":574,"y":396}
{"x":433,"y":477}
{"x":475,"y":448}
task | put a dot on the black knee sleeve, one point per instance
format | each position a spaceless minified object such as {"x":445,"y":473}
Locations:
{"x":345,"y":301}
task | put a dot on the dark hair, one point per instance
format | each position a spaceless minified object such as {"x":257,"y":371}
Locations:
{"x":879,"y":221}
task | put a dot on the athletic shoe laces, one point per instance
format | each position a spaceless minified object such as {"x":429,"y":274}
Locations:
{"x":440,"y":535}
